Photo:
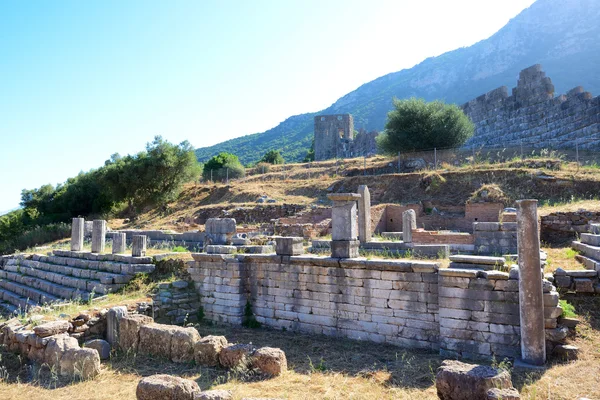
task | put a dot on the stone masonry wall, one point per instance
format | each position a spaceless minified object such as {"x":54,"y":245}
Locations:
{"x":561,"y":227}
{"x":495,"y":237}
{"x":532,"y":116}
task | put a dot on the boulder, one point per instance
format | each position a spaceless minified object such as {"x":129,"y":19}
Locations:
{"x":129,"y":331}
{"x":183,"y":341}
{"x":52,"y":328}
{"x":557,"y":334}
{"x":214,"y":395}
{"x":566,"y":352}
{"x":207,"y":350}
{"x":456,"y":380}
{"x":80,"y":363}
{"x":56,"y":348}
{"x":235,"y":354}
{"x":155,"y":339}
{"x":101,"y":346}
{"x":166,"y":387}
{"x":503,"y":394}
{"x":270,"y":361}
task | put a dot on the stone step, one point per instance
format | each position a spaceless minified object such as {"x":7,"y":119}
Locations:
{"x":25,"y":290}
{"x":587,"y":250}
{"x":80,"y":284}
{"x":591,"y":239}
{"x":107,"y":278}
{"x":484,"y":267}
{"x":52,"y":290}
{"x":465,"y":259}
{"x":588,"y":263}
{"x":21,"y":304}
{"x":115,"y":267}
{"x":594,"y":229}
{"x":7,"y":308}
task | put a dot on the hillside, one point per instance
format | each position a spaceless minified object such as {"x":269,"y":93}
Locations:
{"x":562,"y":35}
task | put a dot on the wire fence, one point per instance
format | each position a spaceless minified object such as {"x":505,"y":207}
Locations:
{"x":552,"y":155}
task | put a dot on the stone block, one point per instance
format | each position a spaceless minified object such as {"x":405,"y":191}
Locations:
{"x":166,"y":387}
{"x":345,"y":248}
{"x":80,"y":363}
{"x":138,"y":245}
{"x":155,"y":339}
{"x":503,"y":394}
{"x":235,"y":354}
{"x":77,"y":234}
{"x":220,"y":249}
{"x":207,"y":349}
{"x":101,"y":346}
{"x":456,"y":380}
{"x":364,"y":214}
{"x":119,"y":243}
{"x":584,"y":285}
{"x":214,"y":395}
{"x":289,"y":246}
{"x":270,"y":361}
{"x":183,"y":341}
{"x":52,"y":328}
{"x":113,"y":318}
{"x":98,"y":236}
{"x":57,"y":346}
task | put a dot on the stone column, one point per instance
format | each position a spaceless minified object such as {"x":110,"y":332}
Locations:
{"x":364,"y":214}
{"x":409,"y":222}
{"x":98,"y":236}
{"x":138,"y":247}
{"x":119,"y":243}
{"x":113,"y":318}
{"x":77,"y":231}
{"x":344,"y":225}
{"x":531,"y":300}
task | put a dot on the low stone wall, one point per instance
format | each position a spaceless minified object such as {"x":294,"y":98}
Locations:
{"x":176,"y":303}
{"x":479,"y":313}
{"x":193,"y":239}
{"x":495,"y":237}
{"x":562,"y":227}
{"x":421,"y":236}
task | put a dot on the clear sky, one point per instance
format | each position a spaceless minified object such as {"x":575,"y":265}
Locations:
{"x":81,"y":80}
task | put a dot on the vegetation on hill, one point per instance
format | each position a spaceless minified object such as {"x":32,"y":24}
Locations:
{"x":417,"y":125}
{"x":222,"y":167}
{"x":272,"y":157}
{"x":131,"y":183}
{"x":557,"y":34}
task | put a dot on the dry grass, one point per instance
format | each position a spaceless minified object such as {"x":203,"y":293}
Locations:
{"x":561,"y":257}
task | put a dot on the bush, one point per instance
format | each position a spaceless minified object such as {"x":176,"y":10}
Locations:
{"x":414,"y":125}
{"x":262,"y":168}
{"x":223,"y":165}
{"x":35,"y":236}
{"x":272,"y":157}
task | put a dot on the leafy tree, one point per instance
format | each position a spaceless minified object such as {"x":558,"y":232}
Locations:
{"x":223,"y":165}
{"x":414,"y":124}
{"x":310,"y":154}
{"x":272,"y":157}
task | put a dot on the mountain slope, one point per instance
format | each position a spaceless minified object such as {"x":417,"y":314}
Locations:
{"x":562,"y":35}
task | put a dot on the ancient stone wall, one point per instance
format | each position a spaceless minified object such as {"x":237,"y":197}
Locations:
{"x":532,"y":116}
{"x":561,"y":227}
{"x":176,"y":303}
{"x":495,"y":237}
{"x":334,"y":138}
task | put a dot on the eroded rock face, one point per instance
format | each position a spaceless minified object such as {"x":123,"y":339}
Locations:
{"x":207,"y":350}
{"x":129,"y":331}
{"x":183,"y":341}
{"x":51,"y":328}
{"x":80,"y":363}
{"x":166,"y":387}
{"x":269,"y":360}
{"x":235,"y":354}
{"x":456,"y":380}
{"x":57,"y":346}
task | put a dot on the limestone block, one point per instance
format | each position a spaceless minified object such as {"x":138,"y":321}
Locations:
{"x":345,"y":248}
{"x":566,"y":352}
{"x":344,"y":222}
{"x":456,"y":380}
{"x":235,"y":354}
{"x":584,"y":285}
{"x":269,"y":360}
{"x":289,"y":246}
{"x":409,"y":223}
{"x":166,"y":387}
{"x":364,"y":214}
{"x":80,"y":363}
{"x":98,"y":236}
{"x":183,"y":341}
{"x":77,"y":233}
{"x":214,"y":395}
{"x":56,"y":348}
{"x":207,"y":350}
{"x":155,"y":339}
{"x":51,"y":328}
{"x":138,"y":245}
{"x":503,"y":394}
{"x":113,"y":318}
{"x":101,"y":346}
{"x":119,"y":243}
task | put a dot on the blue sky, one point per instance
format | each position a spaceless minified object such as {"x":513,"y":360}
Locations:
{"x":81,"y":80}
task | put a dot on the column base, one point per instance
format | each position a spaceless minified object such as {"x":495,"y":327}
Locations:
{"x":344,"y":248}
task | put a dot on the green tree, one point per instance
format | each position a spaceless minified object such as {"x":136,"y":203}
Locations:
{"x":223,"y":165}
{"x":310,"y":154}
{"x":414,"y":124}
{"x":272,"y":157}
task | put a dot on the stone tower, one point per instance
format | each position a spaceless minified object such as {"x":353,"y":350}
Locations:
{"x":334,"y":134}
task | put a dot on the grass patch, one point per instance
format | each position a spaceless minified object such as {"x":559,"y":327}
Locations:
{"x":568,"y":310}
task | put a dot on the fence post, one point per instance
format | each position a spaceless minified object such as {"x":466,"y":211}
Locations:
{"x":227,"y":176}
{"x":365,"y":165}
{"x":211,"y":178}
{"x":398,"y":162}
{"x":435,"y":158}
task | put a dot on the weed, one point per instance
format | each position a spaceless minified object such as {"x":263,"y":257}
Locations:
{"x":568,"y":311}
{"x":320,"y":367}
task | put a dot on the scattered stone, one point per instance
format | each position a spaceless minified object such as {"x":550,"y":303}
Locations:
{"x":503,"y":394}
{"x":80,"y":363}
{"x":214,"y":395}
{"x":566,"y":352}
{"x":183,"y":341}
{"x":557,"y":334}
{"x":270,"y":361}
{"x":456,"y":380}
{"x":51,"y":328}
{"x":207,"y":350}
{"x":101,"y":346}
{"x":166,"y":387}
{"x":235,"y":354}
{"x":57,"y":346}
{"x":570,"y":323}
{"x":155,"y":339}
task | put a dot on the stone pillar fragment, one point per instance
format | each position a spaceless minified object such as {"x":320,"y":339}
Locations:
{"x":364,"y":214}
{"x":113,"y":317}
{"x":344,"y":225}
{"x":531,"y":300}
{"x":119,"y":244}
{"x":138,"y":246}
{"x":409,"y":222}
{"x":77,"y":231}
{"x":98,"y":236}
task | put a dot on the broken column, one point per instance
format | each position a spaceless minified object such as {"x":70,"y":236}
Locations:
{"x":77,"y":231}
{"x":219,"y":231}
{"x":364,"y":214}
{"x":344,"y":225}
{"x":531,"y":300}
{"x":98,"y":236}
{"x":138,"y":246}
{"x":119,"y":243}
{"x":409,"y":222}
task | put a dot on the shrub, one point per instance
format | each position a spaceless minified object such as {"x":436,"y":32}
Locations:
{"x":223,"y":166}
{"x":272,"y":157}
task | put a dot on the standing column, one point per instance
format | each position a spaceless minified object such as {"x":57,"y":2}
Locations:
{"x":344,"y":225}
{"x":119,"y":243}
{"x":409,"y":222}
{"x":138,"y":246}
{"x":98,"y":236}
{"x":364,"y":214}
{"x":77,"y":231}
{"x":531,"y":300}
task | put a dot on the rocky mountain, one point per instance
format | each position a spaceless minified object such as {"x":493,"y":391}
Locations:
{"x":562,"y":35}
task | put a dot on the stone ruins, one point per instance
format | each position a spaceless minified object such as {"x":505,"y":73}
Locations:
{"x":533,"y":117}
{"x":335,"y":138}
